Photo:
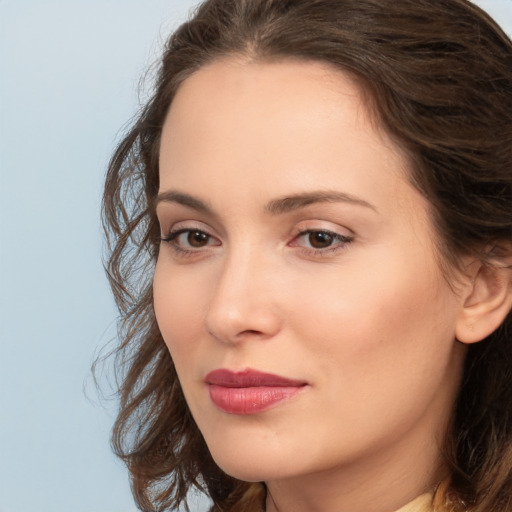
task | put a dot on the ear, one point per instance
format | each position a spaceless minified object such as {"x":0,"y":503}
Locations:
{"x":486,"y":301}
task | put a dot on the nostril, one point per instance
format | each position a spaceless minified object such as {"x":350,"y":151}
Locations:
{"x":250,"y":331}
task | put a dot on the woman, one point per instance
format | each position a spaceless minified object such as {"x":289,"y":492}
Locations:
{"x":310,"y":226}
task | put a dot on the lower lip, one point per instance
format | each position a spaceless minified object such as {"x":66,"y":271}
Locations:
{"x":250,"y":400}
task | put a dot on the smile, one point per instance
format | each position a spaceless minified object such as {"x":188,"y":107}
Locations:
{"x":249,"y":391}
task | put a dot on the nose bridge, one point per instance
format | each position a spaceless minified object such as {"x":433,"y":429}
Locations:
{"x":243,"y":303}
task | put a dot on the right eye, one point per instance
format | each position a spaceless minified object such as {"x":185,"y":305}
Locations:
{"x":188,"y":240}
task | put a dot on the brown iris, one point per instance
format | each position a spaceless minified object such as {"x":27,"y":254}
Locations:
{"x":197,"y":239}
{"x":320,"y":239}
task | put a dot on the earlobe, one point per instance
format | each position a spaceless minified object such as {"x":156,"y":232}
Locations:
{"x":486,"y":302}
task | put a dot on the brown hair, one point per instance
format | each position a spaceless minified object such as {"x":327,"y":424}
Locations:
{"x":439,"y":76}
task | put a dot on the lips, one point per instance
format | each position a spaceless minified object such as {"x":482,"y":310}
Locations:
{"x":249,"y":391}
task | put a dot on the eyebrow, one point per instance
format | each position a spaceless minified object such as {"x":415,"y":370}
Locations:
{"x":172,"y":196}
{"x":297,"y":201}
{"x":276,"y":206}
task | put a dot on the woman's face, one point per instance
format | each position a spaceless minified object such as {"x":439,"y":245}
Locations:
{"x":297,"y":286}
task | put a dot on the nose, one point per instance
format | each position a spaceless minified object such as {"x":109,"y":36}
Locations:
{"x":244,"y":304}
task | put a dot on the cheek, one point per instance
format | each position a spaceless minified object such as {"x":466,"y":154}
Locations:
{"x":179,"y":302}
{"x":381,"y":350}
{"x":381,"y":322}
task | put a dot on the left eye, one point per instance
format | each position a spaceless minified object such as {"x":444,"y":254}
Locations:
{"x":321,"y":239}
{"x":195,"y":238}
{"x":190,"y":239}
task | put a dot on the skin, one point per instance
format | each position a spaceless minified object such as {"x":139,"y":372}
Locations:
{"x":368,"y":323}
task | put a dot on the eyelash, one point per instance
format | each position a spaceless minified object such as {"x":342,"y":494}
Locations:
{"x":172,"y":237}
{"x":339,"y":242}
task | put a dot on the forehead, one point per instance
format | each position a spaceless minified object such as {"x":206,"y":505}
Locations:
{"x":233,"y":91}
{"x":247,"y":86}
{"x":266,"y":127}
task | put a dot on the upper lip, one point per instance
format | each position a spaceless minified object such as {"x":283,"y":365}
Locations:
{"x":249,"y":378}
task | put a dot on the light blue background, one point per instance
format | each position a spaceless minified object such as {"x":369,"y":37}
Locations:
{"x":69,"y":73}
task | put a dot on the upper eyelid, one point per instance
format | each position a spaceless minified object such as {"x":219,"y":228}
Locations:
{"x":186,"y":225}
{"x":330,"y":231}
{"x":170,"y":213}
{"x":322,"y":225}
{"x":167,"y":227}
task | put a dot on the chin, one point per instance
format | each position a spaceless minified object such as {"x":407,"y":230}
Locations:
{"x":251,"y":465}
{"x":247,"y":471}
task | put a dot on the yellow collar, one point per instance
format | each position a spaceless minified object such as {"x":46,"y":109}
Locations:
{"x":422,"y":503}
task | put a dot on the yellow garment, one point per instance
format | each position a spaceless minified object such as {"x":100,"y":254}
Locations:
{"x":422,"y":503}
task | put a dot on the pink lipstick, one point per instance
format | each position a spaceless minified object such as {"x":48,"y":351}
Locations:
{"x":249,"y":391}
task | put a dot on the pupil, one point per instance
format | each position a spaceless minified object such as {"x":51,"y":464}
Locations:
{"x":320,"y":240}
{"x":197,"y":239}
